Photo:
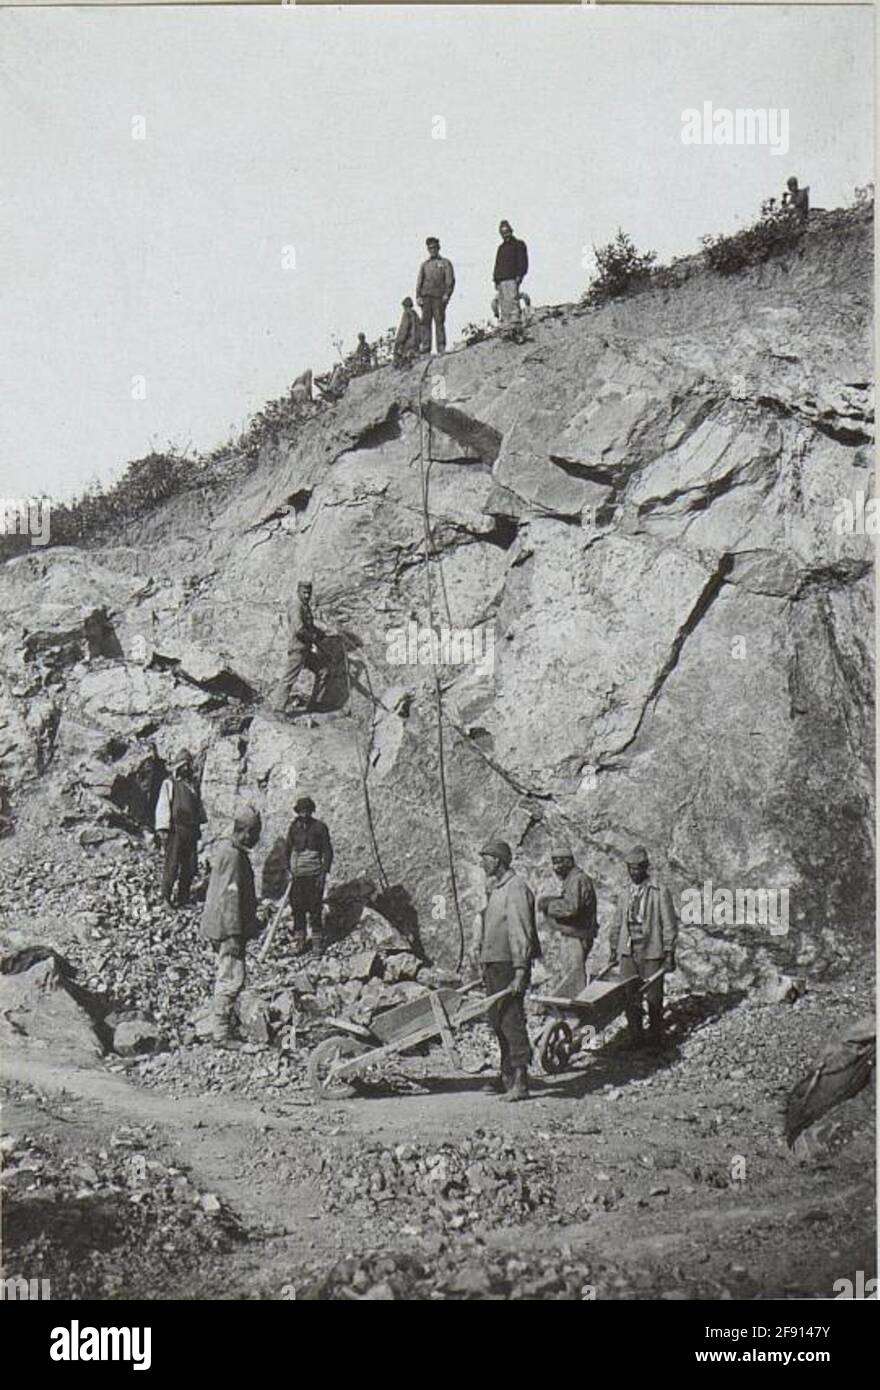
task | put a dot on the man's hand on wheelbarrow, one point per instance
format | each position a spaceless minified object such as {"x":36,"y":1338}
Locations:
{"x":669,"y":962}
{"x":519,"y":983}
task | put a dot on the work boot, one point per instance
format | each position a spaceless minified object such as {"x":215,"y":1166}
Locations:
{"x":519,"y":1089}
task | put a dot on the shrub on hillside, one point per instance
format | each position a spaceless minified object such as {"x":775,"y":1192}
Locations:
{"x":620,"y":267}
{"x":777,"y":230}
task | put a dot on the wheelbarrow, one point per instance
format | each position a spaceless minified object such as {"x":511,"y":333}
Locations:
{"x":334,"y":1064}
{"x":572,"y":1009}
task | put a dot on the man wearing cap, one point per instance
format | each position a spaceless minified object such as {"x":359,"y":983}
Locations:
{"x":505,"y":943}
{"x":230,"y":919}
{"x":310,"y":856}
{"x":434,"y":287}
{"x":409,"y":335}
{"x":178,"y":821}
{"x":572,"y":915}
{"x":511,"y":268}
{"x":642,"y":940}
{"x":304,"y":653}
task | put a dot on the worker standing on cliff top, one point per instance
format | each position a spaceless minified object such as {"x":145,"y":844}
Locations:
{"x":511,"y":268}
{"x":409,"y":335}
{"x":434,"y":287}
{"x":796,"y":200}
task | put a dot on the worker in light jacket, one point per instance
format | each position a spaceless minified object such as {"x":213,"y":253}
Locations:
{"x":230,"y":920}
{"x":179,"y":818}
{"x":642,"y":941}
{"x":434,"y":287}
{"x":505,"y":944}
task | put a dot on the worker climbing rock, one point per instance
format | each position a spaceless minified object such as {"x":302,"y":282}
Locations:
{"x":304,"y":653}
{"x":230,"y":919}
{"x":301,"y":390}
{"x":505,"y":944}
{"x":333,"y":385}
{"x":434,"y":287}
{"x":511,"y":268}
{"x":310,"y":856}
{"x":642,"y":941}
{"x":409,"y":335}
{"x":179,"y":818}
{"x":572,"y":914}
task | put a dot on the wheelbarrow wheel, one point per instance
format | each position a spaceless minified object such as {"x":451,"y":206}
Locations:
{"x":555,"y":1047}
{"x":321,"y":1062}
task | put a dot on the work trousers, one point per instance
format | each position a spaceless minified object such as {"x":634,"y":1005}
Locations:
{"x":642,"y":966}
{"x":509,"y":311}
{"x":507,"y":1018}
{"x":307,"y":902}
{"x":573,"y":956}
{"x":433,"y":311}
{"x":228,"y":983}
{"x":181,"y":859}
{"x":300,"y":659}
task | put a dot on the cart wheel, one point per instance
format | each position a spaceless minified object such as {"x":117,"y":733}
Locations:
{"x":322,"y":1059}
{"x":555,"y":1047}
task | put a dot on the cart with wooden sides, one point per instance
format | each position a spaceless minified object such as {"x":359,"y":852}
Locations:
{"x":573,"y":1010}
{"x":335,"y":1063}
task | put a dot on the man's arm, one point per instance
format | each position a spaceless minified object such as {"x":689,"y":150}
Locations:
{"x":450,"y":279}
{"x":523,"y":260}
{"x":614,"y":934}
{"x":520,"y":908}
{"x":420,"y":281}
{"x":668,"y":922}
{"x":326,"y":850}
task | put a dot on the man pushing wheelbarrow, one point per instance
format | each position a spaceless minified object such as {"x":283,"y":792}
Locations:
{"x":505,"y":944}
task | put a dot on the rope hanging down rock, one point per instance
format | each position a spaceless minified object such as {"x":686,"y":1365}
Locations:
{"x":438,"y":692}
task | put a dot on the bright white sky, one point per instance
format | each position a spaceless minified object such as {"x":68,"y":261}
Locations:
{"x":312,"y":127}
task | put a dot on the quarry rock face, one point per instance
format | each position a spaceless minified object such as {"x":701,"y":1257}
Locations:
{"x":657,"y":628}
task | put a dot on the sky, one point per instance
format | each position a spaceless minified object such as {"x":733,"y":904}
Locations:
{"x":158,"y":290}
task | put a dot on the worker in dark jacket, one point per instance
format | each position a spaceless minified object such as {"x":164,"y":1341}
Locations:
{"x":310,"y":857}
{"x":642,"y":941}
{"x":230,"y":919}
{"x":796,"y":200}
{"x":572,"y":915}
{"x":179,"y":818}
{"x":304,"y":653}
{"x":511,"y":268}
{"x":434,"y":287}
{"x":505,"y":944}
{"x":409,"y":335}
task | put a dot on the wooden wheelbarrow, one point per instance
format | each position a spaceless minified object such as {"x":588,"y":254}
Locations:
{"x":572,"y":1010}
{"x":334,"y":1064}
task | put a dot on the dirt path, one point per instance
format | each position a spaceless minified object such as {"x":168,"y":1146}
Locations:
{"x":642,"y":1172}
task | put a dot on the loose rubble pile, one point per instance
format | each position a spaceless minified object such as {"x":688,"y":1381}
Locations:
{"x":488,"y":1179}
{"x":113,"y":1222}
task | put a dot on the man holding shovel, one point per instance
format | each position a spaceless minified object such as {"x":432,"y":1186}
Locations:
{"x":642,"y":942}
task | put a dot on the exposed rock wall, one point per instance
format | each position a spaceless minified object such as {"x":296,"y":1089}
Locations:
{"x":636,"y":511}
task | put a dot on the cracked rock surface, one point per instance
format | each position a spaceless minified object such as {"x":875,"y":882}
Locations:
{"x":636,"y":513}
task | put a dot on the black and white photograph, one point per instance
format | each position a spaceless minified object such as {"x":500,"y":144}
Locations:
{"x":437,"y":780}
